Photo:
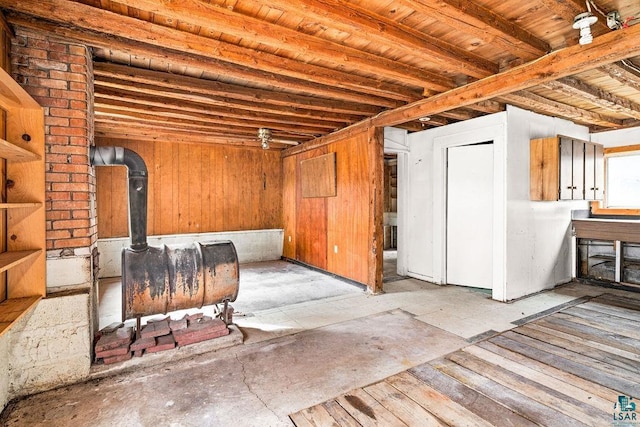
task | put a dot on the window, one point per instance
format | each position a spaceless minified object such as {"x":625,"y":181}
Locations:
{"x":623,"y":180}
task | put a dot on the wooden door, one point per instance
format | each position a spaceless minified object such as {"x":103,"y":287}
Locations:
{"x":589,"y":171}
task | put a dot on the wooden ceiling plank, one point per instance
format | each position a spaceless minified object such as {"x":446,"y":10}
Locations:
{"x":568,"y":10}
{"x":484,"y":24}
{"x":214,"y":89}
{"x":573,"y":87}
{"x":532,"y":101}
{"x":267,"y":69}
{"x":226,"y":116}
{"x":489,"y":107}
{"x":621,"y":74}
{"x":604,"y":50}
{"x":64,"y":11}
{"x":228,"y":21}
{"x":353,"y":19}
{"x":134,"y":125}
{"x":183,"y":138}
{"x":165,"y":97}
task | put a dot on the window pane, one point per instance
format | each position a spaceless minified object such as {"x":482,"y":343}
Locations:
{"x":623,"y":181}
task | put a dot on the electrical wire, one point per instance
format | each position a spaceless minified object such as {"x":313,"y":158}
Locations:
{"x":631,"y":65}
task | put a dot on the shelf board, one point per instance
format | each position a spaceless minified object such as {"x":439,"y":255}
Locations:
{"x":10,"y":151}
{"x":20,"y":205}
{"x":604,"y":257}
{"x":11,"y":259}
{"x":14,"y":309}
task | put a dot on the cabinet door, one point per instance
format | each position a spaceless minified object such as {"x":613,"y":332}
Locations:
{"x":589,"y":171}
{"x":599,"y":172}
{"x":578,"y":170}
{"x":566,"y":169}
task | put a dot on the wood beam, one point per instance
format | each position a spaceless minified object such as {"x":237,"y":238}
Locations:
{"x":210,"y":88}
{"x":117,"y":125}
{"x":356,"y":20}
{"x":484,"y":24}
{"x":172,"y":110}
{"x":571,"y":86}
{"x":183,"y":138}
{"x":554,"y":108}
{"x":160,"y":96}
{"x":604,"y":50}
{"x":568,"y":10}
{"x":95,"y":19}
{"x":267,"y":69}
{"x":622,"y":74}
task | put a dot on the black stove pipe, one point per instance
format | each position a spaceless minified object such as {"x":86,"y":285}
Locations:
{"x":138,"y":183}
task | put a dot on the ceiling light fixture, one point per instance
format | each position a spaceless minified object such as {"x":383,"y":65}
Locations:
{"x":264,"y":135}
{"x":583,"y":22}
{"x":424,"y":119}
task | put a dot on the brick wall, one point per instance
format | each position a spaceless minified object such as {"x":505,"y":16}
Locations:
{"x":58,"y":75}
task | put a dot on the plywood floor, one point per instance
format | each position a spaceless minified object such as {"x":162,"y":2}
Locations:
{"x":574,"y":367}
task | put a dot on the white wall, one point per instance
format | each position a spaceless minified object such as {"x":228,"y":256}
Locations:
{"x":251,"y":246}
{"x":617,"y":138}
{"x":427,"y":194}
{"x":539,"y":244}
{"x":532,"y":241}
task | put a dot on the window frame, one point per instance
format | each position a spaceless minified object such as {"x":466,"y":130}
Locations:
{"x":599,"y":207}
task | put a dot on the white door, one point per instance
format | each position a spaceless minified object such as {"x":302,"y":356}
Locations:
{"x":470,"y":215}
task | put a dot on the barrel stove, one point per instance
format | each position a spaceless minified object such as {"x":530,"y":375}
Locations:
{"x":156,"y":280}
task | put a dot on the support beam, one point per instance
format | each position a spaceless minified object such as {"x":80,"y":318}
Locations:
{"x":356,"y":20}
{"x":622,"y":74}
{"x":160,"y":97}
{"x":604,"y":50}
{"x":538,"y":103}
{"x":132,"y":76}
{"x":573,"y":87}
{"x":329,"y":83}
{"x":102,"y":21}
{"x":482,"y":23}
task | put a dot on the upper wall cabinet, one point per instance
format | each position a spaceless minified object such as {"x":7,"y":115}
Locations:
{"x":564,"y":168}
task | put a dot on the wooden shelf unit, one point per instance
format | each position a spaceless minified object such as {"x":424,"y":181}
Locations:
{"x":22,"y":264}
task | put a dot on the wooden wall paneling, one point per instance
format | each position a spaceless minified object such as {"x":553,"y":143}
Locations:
{"x":348,"y":212}
{"x":103,"y":201}
{"x":181,"y":188}
{"x":164,"y":190}
{"x":273,"y":193}
{"x":217,"y":187}
{"x":289,"y":206}
{"x":318,"y":176}
{"x":231,"y":196}
{"x":205,"y":185}
{"x":194,"y":189}
{"x":3,"y":198}
{"x":311,"y":221}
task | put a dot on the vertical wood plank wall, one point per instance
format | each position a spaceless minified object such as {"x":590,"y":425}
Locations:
{"x":194,"y":188}
{"x":5,"y":63}
{"x":351,"y":221}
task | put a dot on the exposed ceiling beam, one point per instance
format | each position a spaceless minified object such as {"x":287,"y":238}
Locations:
{"x":107,"y":87}
{"x":622,"y":74}
{"x":605,"y":49}
{"x":210,"y":88}
{"x":484,"y":24}
{"x":140,"y":115}
{"x":568,"y":10}
{"x":572,"y":87}
{"x":181,"y":137}
{"x":95,"y":19}
{"x":340,"y":15}
{"x":329,"y":83}
{"x":554,"y":108}
{"x":165,"y":107}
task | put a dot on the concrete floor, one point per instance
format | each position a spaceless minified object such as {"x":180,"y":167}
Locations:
{"x":295,"y":354}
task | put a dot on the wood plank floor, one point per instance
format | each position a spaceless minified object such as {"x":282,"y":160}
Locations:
{"x":574,"y":367}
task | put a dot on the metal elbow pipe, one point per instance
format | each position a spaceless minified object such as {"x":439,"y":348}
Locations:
{"x":137,"y":178}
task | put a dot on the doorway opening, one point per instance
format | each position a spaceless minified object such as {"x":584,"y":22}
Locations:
{"x":390,"y":265}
